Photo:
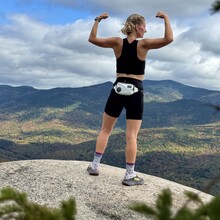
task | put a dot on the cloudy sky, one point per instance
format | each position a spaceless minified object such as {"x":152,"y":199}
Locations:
{"x":44,"y":43}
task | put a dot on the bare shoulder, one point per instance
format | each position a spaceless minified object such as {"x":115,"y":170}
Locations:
{"x":118,"y":41}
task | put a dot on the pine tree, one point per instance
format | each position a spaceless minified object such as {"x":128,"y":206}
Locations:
{"x":215,"y":6}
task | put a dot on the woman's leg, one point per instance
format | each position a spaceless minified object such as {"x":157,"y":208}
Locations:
{"x":108,"y":123}
{"x":133,"y":127}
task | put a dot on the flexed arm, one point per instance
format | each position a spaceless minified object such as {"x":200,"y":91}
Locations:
{"x":168,"y":34}
{"x":160,"y":42}
{"x":93,"y":33}
{"x":102,"y":42}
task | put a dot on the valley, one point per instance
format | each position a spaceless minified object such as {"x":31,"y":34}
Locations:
{"x":179,"y":139}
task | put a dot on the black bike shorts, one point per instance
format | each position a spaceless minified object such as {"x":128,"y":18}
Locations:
{"x":133,"y":104}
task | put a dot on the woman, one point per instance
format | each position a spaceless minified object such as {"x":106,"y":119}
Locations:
{"x":127,"y":92}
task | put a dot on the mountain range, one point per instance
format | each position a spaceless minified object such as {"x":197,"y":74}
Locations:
{"x":179,"y":139}
{"x":167,"y":103}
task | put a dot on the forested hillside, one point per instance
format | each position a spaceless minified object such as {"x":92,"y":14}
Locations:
{"x":179,"y":139}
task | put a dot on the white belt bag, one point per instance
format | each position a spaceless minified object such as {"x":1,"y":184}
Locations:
{"x":125,"y":88}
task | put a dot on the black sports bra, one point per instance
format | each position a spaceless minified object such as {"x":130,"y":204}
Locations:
{"x":129,"y":62}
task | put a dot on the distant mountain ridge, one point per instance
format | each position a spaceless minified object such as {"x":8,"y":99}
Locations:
{"x":160,"y":91}
{"x":167,"y":103}
{"x":172,"y":91}
{"x":56,"y":97}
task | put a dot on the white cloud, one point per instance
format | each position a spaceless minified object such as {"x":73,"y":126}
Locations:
{"x":44,"y":55}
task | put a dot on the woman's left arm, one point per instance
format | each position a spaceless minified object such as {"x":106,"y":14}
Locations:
{"x":160,"y":42}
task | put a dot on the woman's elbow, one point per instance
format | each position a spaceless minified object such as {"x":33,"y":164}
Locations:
{"x":169,"y":40}
{"x":90,"y":39}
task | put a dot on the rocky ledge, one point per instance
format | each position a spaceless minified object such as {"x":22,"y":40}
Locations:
{"x":102,"y":197}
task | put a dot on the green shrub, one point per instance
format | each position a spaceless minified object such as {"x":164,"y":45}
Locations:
{"x":163,"y":207}
{"x":14,"y":205}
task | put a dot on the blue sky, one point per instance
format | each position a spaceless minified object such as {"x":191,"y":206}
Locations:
{"x":44,"y":43}
{"x":43,"y":11}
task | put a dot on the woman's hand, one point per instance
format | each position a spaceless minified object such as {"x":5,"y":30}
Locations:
{"x":103,"y":16}
{"x":161,"y":14}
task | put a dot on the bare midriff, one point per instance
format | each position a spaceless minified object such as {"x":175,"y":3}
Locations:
{"x":139,"y":77}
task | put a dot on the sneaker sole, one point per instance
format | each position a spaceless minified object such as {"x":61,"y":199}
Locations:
{"x":132,"y":182}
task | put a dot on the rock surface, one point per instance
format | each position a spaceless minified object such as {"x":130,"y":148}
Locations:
{"x":100,"y":197}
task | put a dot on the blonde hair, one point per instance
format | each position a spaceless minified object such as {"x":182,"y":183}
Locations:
{"x":131,"y":22}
